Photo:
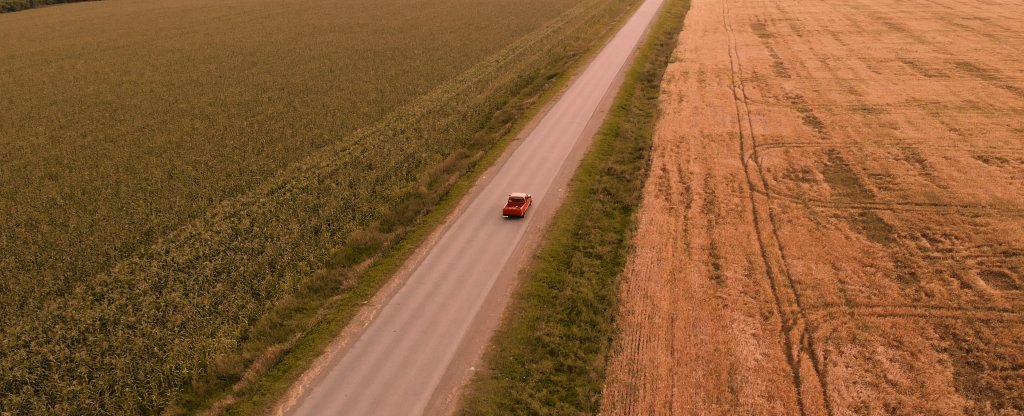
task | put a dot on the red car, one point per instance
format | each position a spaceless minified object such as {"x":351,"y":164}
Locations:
{"x":517,"y":205}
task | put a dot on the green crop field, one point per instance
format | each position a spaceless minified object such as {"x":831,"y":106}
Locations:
{"x":177,"y":177}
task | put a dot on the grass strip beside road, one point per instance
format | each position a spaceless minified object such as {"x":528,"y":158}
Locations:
{"x":550,"y":354}
{"x":172,"y":227}
{"x":201,"y":315}
{"x":293,"y":357}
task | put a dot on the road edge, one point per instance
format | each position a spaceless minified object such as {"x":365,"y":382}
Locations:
{"x":507,"y":355}
{"x":341,"y":319}
{"x":469,"y":357}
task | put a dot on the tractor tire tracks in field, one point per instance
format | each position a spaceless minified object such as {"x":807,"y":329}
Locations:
{"x":833,"y":219}
{"x":788,"y":305}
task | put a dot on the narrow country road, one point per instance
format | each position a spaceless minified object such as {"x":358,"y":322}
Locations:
{"x":396,"y":365}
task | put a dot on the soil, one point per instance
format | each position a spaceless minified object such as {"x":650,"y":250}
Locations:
{"x":834,"y":220}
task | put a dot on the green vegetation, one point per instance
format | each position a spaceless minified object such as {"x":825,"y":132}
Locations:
{"x":177,"y":209}
{"x":15,"y":5}
{"x":504,"y":126}
{"x":549,"y":355}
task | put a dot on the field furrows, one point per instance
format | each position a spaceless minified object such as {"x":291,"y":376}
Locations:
{"x":170,"y":228}
{"x":847,"y":180}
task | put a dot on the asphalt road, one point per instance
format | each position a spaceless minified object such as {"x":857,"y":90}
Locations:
{"x":396,"y":364}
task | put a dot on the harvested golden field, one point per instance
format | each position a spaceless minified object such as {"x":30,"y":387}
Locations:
{"x":184,"y":183}
{"x":834,"y":220}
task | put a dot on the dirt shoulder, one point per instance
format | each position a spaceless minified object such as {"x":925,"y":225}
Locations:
{"x":834,"y":219}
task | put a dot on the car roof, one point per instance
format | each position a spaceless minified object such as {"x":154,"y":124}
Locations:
{"x":517,"y":195}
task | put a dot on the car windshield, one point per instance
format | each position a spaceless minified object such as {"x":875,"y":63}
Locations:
{"x":516,"y":199}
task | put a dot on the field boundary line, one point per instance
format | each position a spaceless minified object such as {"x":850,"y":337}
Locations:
{"x":577,"y":231}
{"x":383,"y":269}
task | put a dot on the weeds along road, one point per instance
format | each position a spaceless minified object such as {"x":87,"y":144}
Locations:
{"x":413,"y":353}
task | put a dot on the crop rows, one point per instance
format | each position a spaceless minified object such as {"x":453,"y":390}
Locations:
{"x":833,"y":221}
{"x":194,"y":306}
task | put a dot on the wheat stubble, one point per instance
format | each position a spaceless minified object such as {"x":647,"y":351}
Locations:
{"x":834,"y":220}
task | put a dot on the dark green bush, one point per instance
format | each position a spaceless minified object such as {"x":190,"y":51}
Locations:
{"x":7,"y":6}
